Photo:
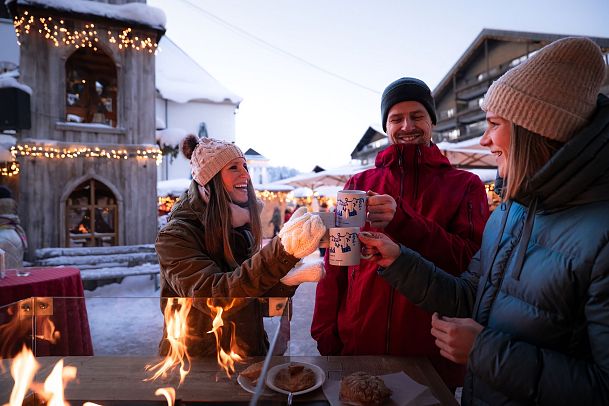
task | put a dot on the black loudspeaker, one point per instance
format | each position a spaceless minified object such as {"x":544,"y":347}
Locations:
{"x":15,"y":111}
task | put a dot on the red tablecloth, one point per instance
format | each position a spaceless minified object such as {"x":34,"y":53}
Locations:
{"x":69,"y":312}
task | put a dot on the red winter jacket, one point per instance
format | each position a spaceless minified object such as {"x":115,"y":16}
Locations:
{"x":441,"y":212}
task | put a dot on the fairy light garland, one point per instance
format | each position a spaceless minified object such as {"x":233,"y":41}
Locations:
{"x":71,"y":152}
{"x":57,"y":31}
{"x":268,"y":195}
{"x":9,"y":168}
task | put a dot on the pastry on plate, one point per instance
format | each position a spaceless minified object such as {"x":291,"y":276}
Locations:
{"x":253,"y":371}
{"x":363,"y":389}
{"x":294,"y":378}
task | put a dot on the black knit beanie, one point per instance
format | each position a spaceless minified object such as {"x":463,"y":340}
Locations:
{"x":407,"y":89}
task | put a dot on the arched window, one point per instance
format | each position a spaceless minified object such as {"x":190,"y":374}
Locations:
{"x":91,"y":87}
{"x":91,"y":216}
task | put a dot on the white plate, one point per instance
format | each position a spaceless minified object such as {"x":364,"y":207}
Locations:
{"x":247,"y":386}
{"x":320,"y":377}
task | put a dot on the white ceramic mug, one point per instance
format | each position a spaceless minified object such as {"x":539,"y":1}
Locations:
{"x":328,"y":220}
{"x":345,"y":248}
{"x":351,"y":208}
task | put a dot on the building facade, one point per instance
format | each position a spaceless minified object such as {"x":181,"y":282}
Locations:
{"x":88,"y":164}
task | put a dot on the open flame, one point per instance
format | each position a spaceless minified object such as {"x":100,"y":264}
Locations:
{"x":175,"y":312}
{"x":225,"y":360}
{"x":82,"y":229}
{"x":169,"y":393}
{"x":55,"y":384}
{"x":23,"y":369}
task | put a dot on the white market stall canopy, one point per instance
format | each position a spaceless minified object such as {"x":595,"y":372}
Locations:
{"x":331,"y":177}
{"x":468,"y":154}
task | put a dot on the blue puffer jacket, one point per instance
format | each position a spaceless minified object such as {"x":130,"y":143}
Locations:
{"x":539,"y":284}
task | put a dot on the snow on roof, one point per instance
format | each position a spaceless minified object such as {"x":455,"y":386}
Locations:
{"x":170,"y":136}
{"x":179,"y":78}
{"x":131,"y":12}
{"x":8,"y":81}
{"x":174,"y":187}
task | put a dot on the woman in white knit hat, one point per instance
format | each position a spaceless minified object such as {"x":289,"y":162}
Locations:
{"x":210,"y":247}
{"x":530,"y":317}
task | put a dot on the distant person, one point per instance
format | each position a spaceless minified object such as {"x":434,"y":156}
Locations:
{"x":276,"y":220}
{"x":12,"y":235}
{"x":323,"y":207}
{"x":419,"y":200}
{"x":530,"y":317}
{"x":210,"y":247}
{"x":287,"y":214}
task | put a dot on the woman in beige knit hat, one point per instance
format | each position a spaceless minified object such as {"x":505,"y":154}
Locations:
{"x":210,"y":247}
{"x":530,"y":318}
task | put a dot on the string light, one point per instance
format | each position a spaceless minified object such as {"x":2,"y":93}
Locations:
{"x":268,"y":195}
{"x":70,"y":152}
{"x":9,"y":168}
{"x":78,"y":34}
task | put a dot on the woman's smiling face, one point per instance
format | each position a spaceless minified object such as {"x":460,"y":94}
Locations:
{"x":235,"y":177}
{"x":497,"y":138}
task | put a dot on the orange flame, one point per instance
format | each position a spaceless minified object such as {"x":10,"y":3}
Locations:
{"x":226,"y":361}
{"x":177,"y":331}
{"x":82,"y":229}
{"x":55,"y":384}
{"x":169,"y":393}
{"x":23,"y":369}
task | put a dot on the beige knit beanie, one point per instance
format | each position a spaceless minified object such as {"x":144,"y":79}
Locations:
{"x":554,"y":92}
{"x":209,"y":157}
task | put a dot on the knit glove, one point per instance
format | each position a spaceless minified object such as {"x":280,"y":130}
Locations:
{"x":306,"y":272}
{"x":301,"y":234}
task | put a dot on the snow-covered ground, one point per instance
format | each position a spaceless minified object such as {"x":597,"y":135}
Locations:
{"x":126,"y":318}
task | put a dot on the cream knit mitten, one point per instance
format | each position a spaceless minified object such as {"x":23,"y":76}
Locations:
{"x":306,"y":272}
{"x":301,"y":234}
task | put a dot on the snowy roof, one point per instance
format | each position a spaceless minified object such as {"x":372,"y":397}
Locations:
{"x":170,"y":136}
{"x":179,"y":78}
{"x":174,"y":187}
{"x":138,"y":13}
{"x":7,"y":81}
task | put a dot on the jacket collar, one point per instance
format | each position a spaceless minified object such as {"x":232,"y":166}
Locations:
{"x":579,"y":171}
{"x":409,"y":154}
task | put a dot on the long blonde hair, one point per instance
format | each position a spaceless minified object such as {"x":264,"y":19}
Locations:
{"x":217,"y":221}
{"x":528,"y":153}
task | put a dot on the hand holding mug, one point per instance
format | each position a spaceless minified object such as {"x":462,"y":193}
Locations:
{"x":378,"y":248}
{"x":381,"y":209}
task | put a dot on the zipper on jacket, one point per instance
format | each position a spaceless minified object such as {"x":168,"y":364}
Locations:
{"x":401,"y":175}
{"x":416,"y":172}
{"x":387,"y":337}
{"x":470,"y":210}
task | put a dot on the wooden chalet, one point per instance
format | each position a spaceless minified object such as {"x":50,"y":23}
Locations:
{"x":88,"y":163}
{"x":460,"y":92}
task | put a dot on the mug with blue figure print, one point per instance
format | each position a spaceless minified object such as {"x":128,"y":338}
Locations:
{"x":345,"y":248}
{"x":351,"y":208}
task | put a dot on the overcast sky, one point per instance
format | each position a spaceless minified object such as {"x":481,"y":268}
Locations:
{"x":311,"y":72}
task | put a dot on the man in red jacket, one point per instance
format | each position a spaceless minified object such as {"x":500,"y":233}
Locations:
{"x":421,"y":201}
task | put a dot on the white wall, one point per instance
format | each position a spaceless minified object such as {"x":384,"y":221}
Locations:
{"x":9,"y":50}
{"x":219,"y":118}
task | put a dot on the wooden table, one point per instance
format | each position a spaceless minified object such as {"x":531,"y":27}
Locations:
{"x":105,"y":380}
